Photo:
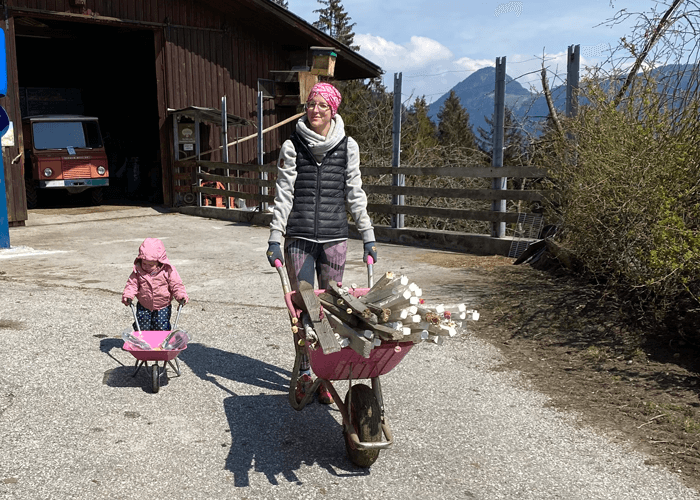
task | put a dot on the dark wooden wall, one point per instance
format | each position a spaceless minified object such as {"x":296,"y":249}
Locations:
{"x":201,"y":54}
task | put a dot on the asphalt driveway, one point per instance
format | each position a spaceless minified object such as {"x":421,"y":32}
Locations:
{"x":75,"y":423}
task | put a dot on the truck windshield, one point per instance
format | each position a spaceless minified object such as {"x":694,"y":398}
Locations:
{"x":60,"y":135}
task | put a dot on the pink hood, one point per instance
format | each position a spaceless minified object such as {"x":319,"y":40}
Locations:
{"x":152,"y":249}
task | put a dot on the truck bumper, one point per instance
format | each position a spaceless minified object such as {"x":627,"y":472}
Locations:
{"x":74,"y":183}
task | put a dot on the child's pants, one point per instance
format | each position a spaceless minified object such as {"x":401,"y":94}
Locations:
{"x":153,"y":320}
{"x":304,"y":259}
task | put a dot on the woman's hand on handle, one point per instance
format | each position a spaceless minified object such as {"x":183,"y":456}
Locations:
{"x":274,"y":253}
{"x":370,"y":251}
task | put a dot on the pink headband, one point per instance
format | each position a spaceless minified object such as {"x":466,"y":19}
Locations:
{"x":329,"y":93}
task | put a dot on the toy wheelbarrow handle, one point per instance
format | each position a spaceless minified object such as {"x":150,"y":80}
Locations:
{"x":136,"y":320}
{"x":133,"y":311}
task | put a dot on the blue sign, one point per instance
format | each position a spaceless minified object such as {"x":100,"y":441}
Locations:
{"x":4,"y":125}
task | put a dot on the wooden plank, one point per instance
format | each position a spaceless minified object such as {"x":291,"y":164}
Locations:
{"x":459,"y":172}
{"x":474,"y":194}
{"x":235,"y":194}
{"x":323,"y":329}
{"x":358,"y":307}
{"x":358,"y":343}
{"x":236,"y":180}
{"x":446,"y":213}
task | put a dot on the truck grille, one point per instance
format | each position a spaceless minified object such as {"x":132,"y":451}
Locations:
{"x":76,"y":170}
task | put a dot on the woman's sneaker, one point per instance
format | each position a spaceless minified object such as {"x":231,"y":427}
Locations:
{"x":324,"y":396}
{"x":304,"y":384}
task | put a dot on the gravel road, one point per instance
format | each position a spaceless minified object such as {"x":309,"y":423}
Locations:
{"x":75,"y":423}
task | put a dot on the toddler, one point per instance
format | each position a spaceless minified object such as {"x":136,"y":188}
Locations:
{"x":154,"y":282}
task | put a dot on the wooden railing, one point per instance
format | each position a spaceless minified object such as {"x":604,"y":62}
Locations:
{"x":190,"y":175}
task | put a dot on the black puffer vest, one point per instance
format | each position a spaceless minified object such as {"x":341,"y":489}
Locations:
{"x":318,"y":212}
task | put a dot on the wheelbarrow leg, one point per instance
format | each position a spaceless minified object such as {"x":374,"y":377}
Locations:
{"x":295,"y":376}
{"x":175,"y":367}
{"x":138,"y":366}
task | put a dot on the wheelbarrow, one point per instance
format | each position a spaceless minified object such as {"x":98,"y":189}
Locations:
{"x":154,"y":339}
{"x":365,"y":428}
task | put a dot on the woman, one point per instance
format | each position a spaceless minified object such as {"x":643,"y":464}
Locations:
{"x":318,"y":171}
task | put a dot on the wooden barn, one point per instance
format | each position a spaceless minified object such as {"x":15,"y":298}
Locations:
{"x":133,"y":62}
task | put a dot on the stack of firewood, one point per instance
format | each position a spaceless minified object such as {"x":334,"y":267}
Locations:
{"x":393,"y":310}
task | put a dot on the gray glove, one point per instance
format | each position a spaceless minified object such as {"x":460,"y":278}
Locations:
{"x":274,"y":252}
{"x":370,"y":250}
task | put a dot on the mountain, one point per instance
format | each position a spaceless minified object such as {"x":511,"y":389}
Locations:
{"x":476,"y":94}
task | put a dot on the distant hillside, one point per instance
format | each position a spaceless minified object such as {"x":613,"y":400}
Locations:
{"x":476,"y":94}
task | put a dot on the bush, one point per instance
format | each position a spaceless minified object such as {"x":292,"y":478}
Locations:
{"x":629,"y":179}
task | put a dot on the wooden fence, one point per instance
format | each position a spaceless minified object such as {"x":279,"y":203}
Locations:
{"x":199,"y":177}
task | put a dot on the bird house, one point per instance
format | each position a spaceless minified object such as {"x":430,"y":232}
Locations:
{"x":323,"y":60}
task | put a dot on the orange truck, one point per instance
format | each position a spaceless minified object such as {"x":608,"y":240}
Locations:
{"x":64,"y":152}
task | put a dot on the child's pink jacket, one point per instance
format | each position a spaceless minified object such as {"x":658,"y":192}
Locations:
{"x":154,"y":291}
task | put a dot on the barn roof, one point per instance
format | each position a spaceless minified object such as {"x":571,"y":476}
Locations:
{"x":294,"y":32}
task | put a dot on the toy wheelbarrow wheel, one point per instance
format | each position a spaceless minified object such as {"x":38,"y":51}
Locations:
{"x":155,"y":375}
{"x":366,"y":419}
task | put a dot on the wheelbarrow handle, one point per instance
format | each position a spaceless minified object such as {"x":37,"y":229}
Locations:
{"x":286,"y":288}
{"x":370,"y":271}
{"x":136,"y":320}
{"x":177,"y":317}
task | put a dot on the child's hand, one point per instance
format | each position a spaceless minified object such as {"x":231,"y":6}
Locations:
{"x":126,"y":301}
{"x":182,"y":301}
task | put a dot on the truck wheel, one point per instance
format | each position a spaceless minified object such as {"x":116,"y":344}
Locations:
{"x":32,"y":196}
{"x":96,"y":196}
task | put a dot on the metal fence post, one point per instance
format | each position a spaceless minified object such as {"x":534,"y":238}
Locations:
{"x":224,"y":144}
{"x":498,"y":229}
{"x":397,"y":220}
{"x":572,"y":79}
{"x":261,"y":153}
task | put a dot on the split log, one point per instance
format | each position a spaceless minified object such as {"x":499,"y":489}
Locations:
{"x":323,"y":329}
{"x":353,"y":303}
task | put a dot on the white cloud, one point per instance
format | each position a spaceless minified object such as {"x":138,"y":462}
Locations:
{"x":467,"y":64}
{"x":419,"y":53}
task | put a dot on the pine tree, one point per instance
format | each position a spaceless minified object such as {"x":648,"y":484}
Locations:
{"x":514,"y":141}
{"x":453,"y":128}
{"x":418,"y":132}
{"x":334,"y":21}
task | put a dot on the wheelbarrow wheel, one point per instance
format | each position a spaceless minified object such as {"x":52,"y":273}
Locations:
{"x":155,"y":375}
{"x":365,"y":415}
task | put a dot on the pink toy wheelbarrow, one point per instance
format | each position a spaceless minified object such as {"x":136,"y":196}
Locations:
{"x":148,"y":346}
{"x":365,"y":427}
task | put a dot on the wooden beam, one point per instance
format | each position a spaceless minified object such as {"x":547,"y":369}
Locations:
{"x":458,"y":172}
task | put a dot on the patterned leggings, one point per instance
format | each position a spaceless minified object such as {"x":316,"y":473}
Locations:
{"x":153,"y":320}
{"x":304,"y":259}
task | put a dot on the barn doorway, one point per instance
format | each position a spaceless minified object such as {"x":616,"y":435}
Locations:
{"x":108,"y":72}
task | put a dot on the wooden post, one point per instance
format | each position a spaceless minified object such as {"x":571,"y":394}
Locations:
{"x":498,"y":229}
{"x":397,"y":220}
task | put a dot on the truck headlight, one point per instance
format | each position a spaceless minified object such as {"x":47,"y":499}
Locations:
{"x":48,"y":172}
{"x":101,"y":170}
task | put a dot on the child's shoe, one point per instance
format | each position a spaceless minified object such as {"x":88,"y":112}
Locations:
{"x":304,"y":384}
{"x":324,"y":396}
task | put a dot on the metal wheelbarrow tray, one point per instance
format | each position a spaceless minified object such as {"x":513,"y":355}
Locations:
{"x":365,"y":427}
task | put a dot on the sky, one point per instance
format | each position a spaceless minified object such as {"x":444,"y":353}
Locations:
{"x":437,"y":44}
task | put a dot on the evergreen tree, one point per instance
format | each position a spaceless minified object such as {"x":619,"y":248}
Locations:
{"x":514,"y":142}
{"x":282,"y":3}
{"x":418,"y":132}
{"x":333,"y":20}
{"x":453,"y":128}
